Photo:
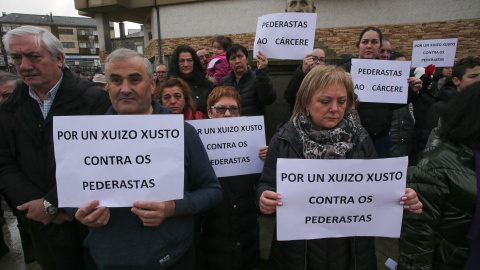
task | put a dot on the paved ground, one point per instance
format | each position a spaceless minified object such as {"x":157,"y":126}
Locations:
{"x":386,"y":247}
{"x":14,"y":259}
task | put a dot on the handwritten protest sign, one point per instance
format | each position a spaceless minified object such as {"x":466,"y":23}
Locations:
{"x":381,"y":81}
{"x":118,"y":159}
{"x":439,"y":52}
{"x":233,"y":143}
{"x":285,"y":35}
{"x":340,"y":198}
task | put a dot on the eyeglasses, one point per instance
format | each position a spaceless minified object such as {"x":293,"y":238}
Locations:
{"x":321,"y":59}
{"x":388,"y":51}
{"x":223,"y":109}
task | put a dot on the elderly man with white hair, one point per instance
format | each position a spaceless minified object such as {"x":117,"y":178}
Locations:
{"x":27,"y":162}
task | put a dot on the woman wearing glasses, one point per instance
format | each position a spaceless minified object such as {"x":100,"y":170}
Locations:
{"x":186,"y":65}
{"x":175,"y":94}
{"x":227,"y":235}
{"x":321,"y":127}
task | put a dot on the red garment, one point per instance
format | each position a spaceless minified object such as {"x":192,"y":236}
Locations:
{"x":218,"y":67}
{"x":189,"y":114}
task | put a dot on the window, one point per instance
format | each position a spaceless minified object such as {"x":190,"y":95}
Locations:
{"x":63,"y":31}
{"x":82,"y":45}
{"x":68,"y":44}
{"x":87,"y":32}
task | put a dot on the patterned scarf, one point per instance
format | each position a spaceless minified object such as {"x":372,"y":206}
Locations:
{"x":333,"y":143}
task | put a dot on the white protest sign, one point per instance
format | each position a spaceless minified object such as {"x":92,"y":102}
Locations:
{"x":285,"y":35}
{"x":232,"y":143}
{"x":340,"y":198}
{"x":118,"y":159}
{"x":439,"y":52}
{"x":381,"y":81}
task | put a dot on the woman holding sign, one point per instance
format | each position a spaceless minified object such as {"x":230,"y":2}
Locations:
{"x":321,"y":127}
{"x":228,"y":234}
{"x":376,"y":118}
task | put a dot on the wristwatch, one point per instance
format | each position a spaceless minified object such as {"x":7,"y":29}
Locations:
{"x":49,"y":208}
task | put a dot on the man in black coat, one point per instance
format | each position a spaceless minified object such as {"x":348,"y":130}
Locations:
{"x":311,"y":60}
{"x":27,"y":162}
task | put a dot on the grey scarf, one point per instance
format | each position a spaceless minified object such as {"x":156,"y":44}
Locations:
{"x":333,"y":143}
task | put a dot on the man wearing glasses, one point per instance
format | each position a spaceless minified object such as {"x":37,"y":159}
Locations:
{"x":161,"y":73}
{"x":316,"y":58}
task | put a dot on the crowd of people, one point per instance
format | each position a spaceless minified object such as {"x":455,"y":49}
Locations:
{"x":215,"y":225}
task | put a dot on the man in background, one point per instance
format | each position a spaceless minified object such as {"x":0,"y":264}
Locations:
{"x":204,"y":56}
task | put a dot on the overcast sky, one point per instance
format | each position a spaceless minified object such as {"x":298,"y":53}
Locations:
{"x":57,"y":7}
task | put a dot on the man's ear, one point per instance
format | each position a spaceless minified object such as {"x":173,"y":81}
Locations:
{"x":456,"y":81}
{"x":153,"y":85}
{"x":60,"y":59}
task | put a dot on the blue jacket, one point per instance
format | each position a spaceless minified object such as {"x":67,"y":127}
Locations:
{"x":124,"y":242}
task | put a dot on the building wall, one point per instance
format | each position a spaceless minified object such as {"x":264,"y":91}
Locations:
{"x":69,"y":38}
{"x":240,"y":16}
{"x":343,"y":39}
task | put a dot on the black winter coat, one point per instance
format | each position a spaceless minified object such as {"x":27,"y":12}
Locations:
{"x":443,"y":96}
{"x":401,"y":131}
{"x":199,"y":93}
{"x":255,"y":88}
{"x":293,"y":87}
{"x":228,"y":233}
{"x":445,"y":180}
{"x":421,"y":130}
{"x":330,"y":253}
{"x":27,"y":161}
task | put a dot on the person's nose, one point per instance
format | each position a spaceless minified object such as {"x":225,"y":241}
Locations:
{"x":334,"y":107}
{"x":172,"y":100}
{"x":125,"y":88}
{"x":227,"y":113}
{"x":25,"y":64}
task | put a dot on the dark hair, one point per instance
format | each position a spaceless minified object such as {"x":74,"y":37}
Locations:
{"x":182,"y":85}
{"x":459,"y":122}
{"x":461,"y":67}
{"x":234,"y":49}
{"x":396,"y":55}
{"x":438,"y":72}
{"x":174,"y":69}
{"x":370,"y":28}
{"x":224,"y":41}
